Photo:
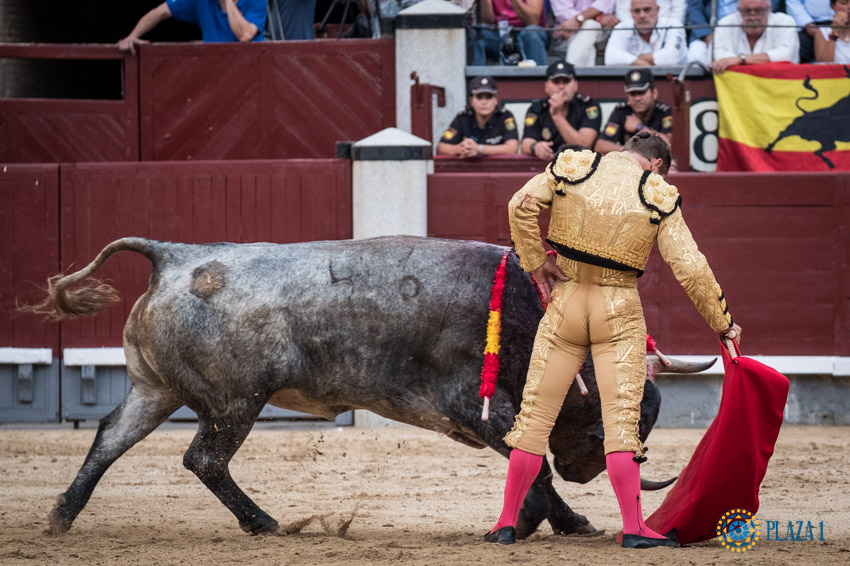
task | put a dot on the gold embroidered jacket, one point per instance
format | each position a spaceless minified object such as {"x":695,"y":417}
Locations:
{"x":608,"y":211}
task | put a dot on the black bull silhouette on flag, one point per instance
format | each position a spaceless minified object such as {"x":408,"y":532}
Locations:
{"x":825,"y":125}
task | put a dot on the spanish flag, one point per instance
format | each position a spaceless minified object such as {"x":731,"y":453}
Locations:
{"x":784,"y":117}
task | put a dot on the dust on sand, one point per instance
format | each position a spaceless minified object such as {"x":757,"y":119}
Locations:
{"x":372,"y":497}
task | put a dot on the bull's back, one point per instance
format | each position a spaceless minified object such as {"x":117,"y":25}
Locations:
{"x":328,"y":319}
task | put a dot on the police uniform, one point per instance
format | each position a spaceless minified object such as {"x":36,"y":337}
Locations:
{"x":583,"y":112}
{"x":500,"y":128}
{"x":660,"y":120}
{"x":598,"y":308}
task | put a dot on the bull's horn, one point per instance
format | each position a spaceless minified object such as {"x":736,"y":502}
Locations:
{"x":678,"y":366}
{"x":649,"y":485}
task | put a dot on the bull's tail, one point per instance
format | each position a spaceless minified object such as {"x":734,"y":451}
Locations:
{"x":62,"y":303}
{"x":807,"y":84}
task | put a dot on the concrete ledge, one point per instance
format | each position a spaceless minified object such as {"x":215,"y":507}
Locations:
{"x":94,"y":357}
{"x":18,"y":356}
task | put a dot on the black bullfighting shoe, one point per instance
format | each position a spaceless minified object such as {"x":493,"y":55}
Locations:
{"x":505,"y":535}
{"x":638,"y":541}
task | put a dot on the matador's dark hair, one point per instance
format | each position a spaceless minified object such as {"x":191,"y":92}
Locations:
{"x":652,"y":146}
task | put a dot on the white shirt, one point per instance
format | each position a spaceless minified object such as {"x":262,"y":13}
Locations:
{"x":780,"y":44}
{"x":842,"y":48}
{"x":673,"y":9}
{"x":668,"y":46}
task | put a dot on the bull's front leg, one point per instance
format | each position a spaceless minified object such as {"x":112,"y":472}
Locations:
{"x":543,"y":502}
{"x":209,"y":457}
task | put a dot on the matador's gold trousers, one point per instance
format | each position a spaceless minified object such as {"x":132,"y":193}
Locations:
{"x":600,"y":309}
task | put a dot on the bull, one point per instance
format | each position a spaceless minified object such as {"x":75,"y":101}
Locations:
{"x":395,"y":325}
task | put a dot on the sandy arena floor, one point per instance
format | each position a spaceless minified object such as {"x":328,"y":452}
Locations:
{"x":375,"y":497}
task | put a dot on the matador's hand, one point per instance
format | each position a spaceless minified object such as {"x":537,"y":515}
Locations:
{"x":545,"y":275}
{"x":734,"y":332}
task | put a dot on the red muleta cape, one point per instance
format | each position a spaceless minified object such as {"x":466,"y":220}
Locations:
{"x":729,"y":464}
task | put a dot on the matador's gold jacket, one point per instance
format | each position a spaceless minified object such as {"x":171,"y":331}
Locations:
{"x":608,"y":211}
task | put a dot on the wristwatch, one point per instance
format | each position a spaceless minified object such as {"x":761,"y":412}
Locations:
{"x":743,"y":58}
{"x":580,"y":18}
{"x":833,"y":37}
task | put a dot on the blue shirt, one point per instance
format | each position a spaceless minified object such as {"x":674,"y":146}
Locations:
{"x":215,"y":27}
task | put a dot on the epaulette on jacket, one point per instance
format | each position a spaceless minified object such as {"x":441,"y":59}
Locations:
{"x":661,"y":106}
{"x":573,"y":167}
{"x":582,"y":97}
{"x":662,"y":199}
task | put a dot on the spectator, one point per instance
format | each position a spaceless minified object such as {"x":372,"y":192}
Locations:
{"x":640,"y":112}
{"x":809,"y":15}
{"x":592,"y":17}
{"x":673,"y":9}
{"x":646,"y":39}
{"x":832,"y":44}
{"x":749,"y":37}
{"x":699,"y":18}
{"x":220,"y":20}
{"x":564,"y":117}
{"x":483,"y":128}
{"x":525,"y":16}
{"x":293,"y":19}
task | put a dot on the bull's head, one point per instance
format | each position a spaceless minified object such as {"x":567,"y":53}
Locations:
{"x":576,"y":439}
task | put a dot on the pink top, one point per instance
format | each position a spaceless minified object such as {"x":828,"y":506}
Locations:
{"x":502,"y":10}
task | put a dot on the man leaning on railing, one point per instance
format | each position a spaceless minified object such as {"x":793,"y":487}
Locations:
{"x":754,"y":35}
{"x":220,"y":20}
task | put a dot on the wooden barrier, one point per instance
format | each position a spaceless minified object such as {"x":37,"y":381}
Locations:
{"x":62,"y":130}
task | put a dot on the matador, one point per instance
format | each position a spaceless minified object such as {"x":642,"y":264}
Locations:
{"x":607,"y":214}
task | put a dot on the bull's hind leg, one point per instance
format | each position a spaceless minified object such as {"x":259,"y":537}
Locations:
{"x":209,"y":457}
{"x":141,"y":411}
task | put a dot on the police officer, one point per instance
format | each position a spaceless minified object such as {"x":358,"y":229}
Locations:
{"x":640,"y":112}
{"x":483,"y":128}
{"x":566,"y":117}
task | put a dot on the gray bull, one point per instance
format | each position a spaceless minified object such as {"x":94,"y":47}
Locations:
{"x":394,"y":325}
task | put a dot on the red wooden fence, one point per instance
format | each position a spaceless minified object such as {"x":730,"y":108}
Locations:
{"x":269,"y":100}
{"x":29,"y":251}
{"x":56,"y":130}
{"x":273,"y":100}
{"x":243,"y":201}
{"x":779,"y":245}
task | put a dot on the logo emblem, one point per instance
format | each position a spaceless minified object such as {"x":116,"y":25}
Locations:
{"x":738,"y":530}
{"x":592,"y":112}
{"x":546,"y":134}
{"x":611,"y":129}
{"x":510,"y":124}
{"x":667,"y":122}
{"x":635,"y":76}
{"x":530,"y":119}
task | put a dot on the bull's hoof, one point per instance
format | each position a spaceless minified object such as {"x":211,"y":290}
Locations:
{"x":586,"y":529}
{"x":264,"y":526}
{"x":57,"y":524}
{"x":571,"y":523}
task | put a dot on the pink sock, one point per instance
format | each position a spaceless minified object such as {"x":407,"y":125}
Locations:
{"x":522,"y":471}
{"x":624,"y":474}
